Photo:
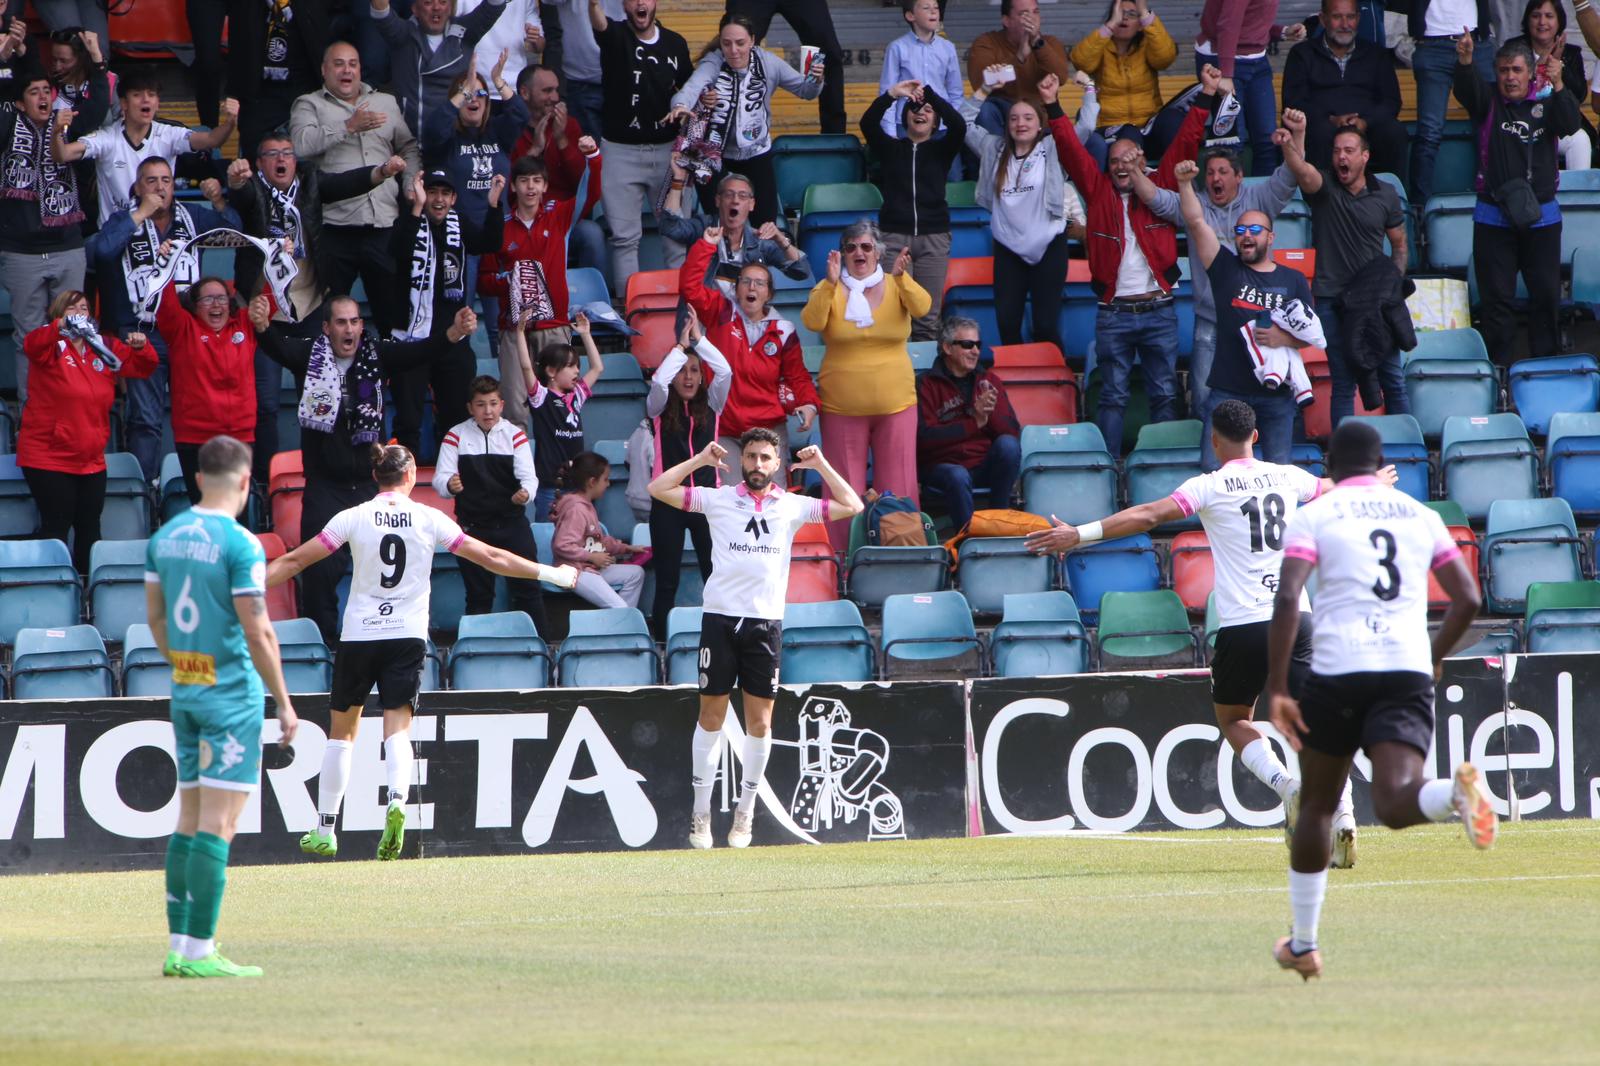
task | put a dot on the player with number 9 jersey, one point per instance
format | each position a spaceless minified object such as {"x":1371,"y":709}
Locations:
{"x":392,"y":540}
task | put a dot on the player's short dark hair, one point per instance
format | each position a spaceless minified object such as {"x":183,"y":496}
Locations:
{"x":139,"y":80}
{"x":223,"y":455}
{"x":760,"y":435}
{"x":529,"y":166}
{"x":1356,"y":132}
{"x":1234,"y":420}
{"x":483,"y":385}
{"x":577,"y":472}
{"x":389,"y":464}
{"x":1355,"y":449}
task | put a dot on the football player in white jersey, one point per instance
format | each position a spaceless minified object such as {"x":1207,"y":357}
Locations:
{"x":1243,"y":506}
{"x":384,"y":638}
{"x":753,"y":524}
{"x":1372,"y":669}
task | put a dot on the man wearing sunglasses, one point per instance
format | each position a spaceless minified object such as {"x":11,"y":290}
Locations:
{"x":430,"y":49}
{"x":967,"y":433}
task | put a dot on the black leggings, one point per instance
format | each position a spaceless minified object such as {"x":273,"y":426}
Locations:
{"x":763,"y":179}
{"x":666,"y":541}
{"x":319,"y":584}
{"x":206,"y":18}
{"x":70,"y":503}
{"x":449,"y":376}
{"x":515,"y":536}
{"x":1015,"y":281}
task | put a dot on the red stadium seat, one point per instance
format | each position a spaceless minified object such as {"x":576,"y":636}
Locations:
{"x":282,"y":603}
{"x":652,"y":290}
{"x":1302,"y":259}
{"x":813,"y":567}
{"x":1319,"y":415}
{"x":286,"y":483}
{"x":657,"y":335}
{"x":1193,"y":573}
{"x":1043,"y":390}
{"x":1438,"y":599}
{"x":970,"y":271}
{"x":424,"y":493}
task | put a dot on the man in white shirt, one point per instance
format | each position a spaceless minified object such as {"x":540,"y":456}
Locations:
{"x":385,"y":635}
{"x":1243,"y":507}
{"x":753,"y":524}
{"x":1372,"y":669}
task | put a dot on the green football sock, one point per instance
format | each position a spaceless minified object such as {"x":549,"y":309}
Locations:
{"x":208,"y":875}
{"x":178,"y":847}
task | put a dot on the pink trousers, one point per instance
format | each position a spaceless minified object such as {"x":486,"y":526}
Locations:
{"x":891,"y":440}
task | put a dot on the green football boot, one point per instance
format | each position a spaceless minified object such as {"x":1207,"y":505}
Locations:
{"x":170,"y":967}
{"x":318,"y":842}
{"x":394,"y":833}
{"x":214,"y":965}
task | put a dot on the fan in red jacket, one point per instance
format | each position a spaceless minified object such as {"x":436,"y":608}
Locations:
{"x":66,"y":422}
{"x":967,"y":431}
{"x":211,"y":369}
{"x":770,"y":380}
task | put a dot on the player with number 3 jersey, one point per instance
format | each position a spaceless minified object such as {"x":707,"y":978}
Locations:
{"x":384,"y":638}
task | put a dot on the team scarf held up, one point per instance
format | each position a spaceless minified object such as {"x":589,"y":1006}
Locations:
{"x":742,"y":118}
{"x":323,"y":396}
{"x":147,"y":271}
{"x":283,"y":212}
{"x":30,"y":172}
{"x":425,"y":262}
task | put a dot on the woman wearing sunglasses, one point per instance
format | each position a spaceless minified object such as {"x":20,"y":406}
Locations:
{"x":868,"y":390}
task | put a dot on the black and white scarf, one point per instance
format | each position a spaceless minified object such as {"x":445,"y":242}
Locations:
{"x":143,"y":264}
{"x":30,"y":172}
{"x":283,"y":213}
{"x":323,"y":395}
{"x":742,"y":116}
{"x":427,"y":256}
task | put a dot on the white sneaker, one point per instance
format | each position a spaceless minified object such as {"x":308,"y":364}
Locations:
{"x":1344,"y":840}
{"x":1291,"y":814}
{"x":739,"y":835}
{"x":700,"y":831}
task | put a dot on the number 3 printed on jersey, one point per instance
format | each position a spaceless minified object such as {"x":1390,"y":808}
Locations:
{"x":1385,"y":590}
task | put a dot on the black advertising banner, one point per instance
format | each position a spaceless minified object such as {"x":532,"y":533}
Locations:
{"x":92,"y":785}
{"x":1553,"y":730}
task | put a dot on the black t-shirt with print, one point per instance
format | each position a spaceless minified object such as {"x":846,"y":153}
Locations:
{"x":1242,"y":296}
{"x":638,"y":80}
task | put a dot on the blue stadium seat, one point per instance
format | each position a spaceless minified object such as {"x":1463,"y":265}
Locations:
{"x":1067,"y":472}
{"x":923,"y":354}
{"x":826,"y":642}
{"x":432,"y":668}
{"x":691,"y":586}
{"x":1586,"y":278}
{"x":307,"y":663}
{"x":173,"y":497}
{"x":930,"y":635}
{"x":830,"y":207}
{"x":1484,"y":459}
{"x":1563,"y":616}
{"x":1447,"y":344}
{"x":802,"y":160}
{"x":1572,"y":458}
{"x":1580,"y":215}
{"x":38,"y":587}
{"x":683,"y":646}
{"x":586,"y":285}
{"x":616,"y":514}
{"x":1145,"y":630}
{"x":1040,"y":635}
{"x":1403,"y":446}
{"x":447,"y":594}
{"x":61,"y":664}
{"x":989,"y":570}
{"x":1527,"y":541}
{"x":144,"y":671}
{"x":499,"y":651}
{"x":116,"y":586}
{"x":608,"y":646}
{"x":1542,"y":387}
{"x":971,"y":234}
{"x":1165,"y":456}
{"x":1447,"y":220}
{"x":544,"y":534}
{"x":126,"y":515}
{"x":1127,"y":564}
{"x":1440,"y":388}
{"x":18,"y":516}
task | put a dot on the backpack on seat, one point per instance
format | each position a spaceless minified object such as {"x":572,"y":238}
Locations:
{"x":894,"y":522}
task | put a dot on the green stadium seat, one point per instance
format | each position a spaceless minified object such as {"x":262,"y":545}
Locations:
{"x":1448,"y":510}
{"x":1145,"y":630}
{"x":1563,"y":616}
{"x":1165,"y":455}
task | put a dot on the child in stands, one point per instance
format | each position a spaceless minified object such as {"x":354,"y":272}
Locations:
{"x":581,"y":542}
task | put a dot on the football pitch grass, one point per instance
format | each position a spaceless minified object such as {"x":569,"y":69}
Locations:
{"x":1144,"y":948}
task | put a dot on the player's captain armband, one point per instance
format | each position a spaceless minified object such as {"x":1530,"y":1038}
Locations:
{"x":193,"y":668}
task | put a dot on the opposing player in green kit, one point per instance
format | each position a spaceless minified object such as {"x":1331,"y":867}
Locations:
{"x":205,"y":593}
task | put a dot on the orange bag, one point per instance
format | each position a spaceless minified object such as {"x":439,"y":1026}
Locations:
{"x":997,"y":523}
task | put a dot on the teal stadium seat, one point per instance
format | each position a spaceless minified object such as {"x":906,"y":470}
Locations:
{"x":18,"y":515}
{"x":683,"y":646}
{"x":1440,"y":388}
{"x":1039,"y":635}
{"x":116,"y":586}
{"x":930,"y":635}
{"x":1067,"y":472}
{"x":1447,"y":344}
{"x":447,"y":594}
{"x":827,"y":209}
{"x":499,"y":651}
{"x":826,"y":642}
{"x":61,"y":664}
{"x":877,"y":572}
{"x":1447,"y":220}
{"x":1563,"y":616}
{"x":608,"y":646}
{"x":1527,"y":541}
{"x":307,"y":663}
{"x":38,"y":587}
{"x":616,"y":514}
{"x":802,"y":160}
{"x":144,"y":671}
{"x":990,"y":570}
{"x":1486,"y":458}
{"x":173,"y":496}
{"x":1165,"y":455}
{"x":126,"y":515}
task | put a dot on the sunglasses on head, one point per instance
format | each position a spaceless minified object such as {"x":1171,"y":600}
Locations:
{"x":1255,"y":229}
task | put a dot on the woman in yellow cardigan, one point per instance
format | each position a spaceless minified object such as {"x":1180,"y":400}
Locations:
{"x":1123,"y":57}
{"x":868,"y":390}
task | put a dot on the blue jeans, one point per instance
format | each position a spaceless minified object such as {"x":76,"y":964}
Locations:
{"x":147,"y":412}
{"x":584,"y":103}
{"x":997,"y":472}
{"x":1200,"y":360}
{"x":1274,"y":421}
{"x":586,"y":246}
{"x":993,"y":114}
{"x":1390,"y":375}
{"x":1433,"y":64}
{"x":543,"y":501}
{"x":489,"y":313}
{"x":1152,"y":338}
{"x":1252,"y":85}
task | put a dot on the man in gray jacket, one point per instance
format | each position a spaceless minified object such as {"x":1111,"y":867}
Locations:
{"x":1226,"y":198}
{"x":339,"y":127}
{"x":430,"y":50}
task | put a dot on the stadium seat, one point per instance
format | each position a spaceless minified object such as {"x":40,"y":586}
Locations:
{"x":69,"y":663}
{"x":587,"y":285}
{"x":876,"y":572}
{"x":126,"y":515}
{"x":1467,"y":542}
{"x":447,"y":594}
{"x":802,"y":160}
{"x":1542,"y":387}
{"x":1487,"y":458}
{"x":1447,"y":221}
{"x":1572,"y":460}
{"x":543,"y":541}
{"x":116,"y":586}
{"x":1449,"y":511}
{"x":1040,"y":634}
{"x":499,"y":651}
{"x":1165,"y":456}
{"x":1526,"y":541}
{"x":826,"y":642}
{"x":930,"y":635}
{"x":286,"y":485}
{"x":971,"y":232}
{"x":307,"y":663}
{"x":1462,"y":343}
{"x":1041,"y":387}
{"x":1127,"y":564}
{"x":990,"y":569}
{"x":683,"y":645}
{"x":1067,"y":472}
{"x":1318,"y":415}
{"x":283,"y":601}
{"x":1193,"y":571}
{"x":608,"y":646}
{"x":1212,"y":625}
{"x":173,"y":495}
{"x":828,"y":208}
{"x":38,"y":587}
{"x":1403,"y":446}
{"x":1307,"y":455}
{"x":813,"y":566}
{"x":656,"y":336}
{"x":1488,"y":638}
{"x":144,"y":671}
{"x":691,"y":586}
{"x":1440,"y":388}
{"x":616,"y":514}
{"x":1563,"y":616}
{"x":923,"y":354}
{"x":1145,"y":630}
{"x":18,"y":516}
{"x":652,"y":289}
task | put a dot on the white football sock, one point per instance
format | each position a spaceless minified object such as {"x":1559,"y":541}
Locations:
{"x":1259,"y":758}
{"x":1347,"y":800}
{"x":397,"y":760}
{"x":707,"y":756}
{"x":177,"y":942}
{"x":198,"y":948}
{"x":335,"y":778}
{"x":756,"y":752}
{"x":1305,"y":897}
{"x":1436,"y":799}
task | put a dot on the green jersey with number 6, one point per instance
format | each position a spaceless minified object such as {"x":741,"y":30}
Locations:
{"x":203,"y":559}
